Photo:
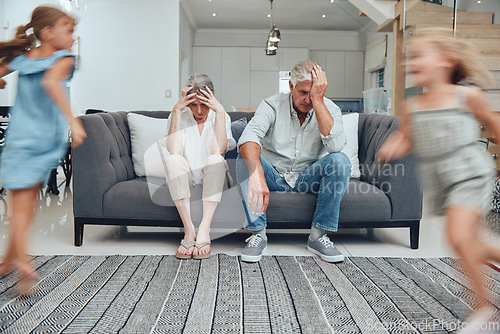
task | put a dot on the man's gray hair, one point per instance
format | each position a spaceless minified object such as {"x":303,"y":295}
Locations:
{"x":200,"y":81}
{"x":302,"y":72}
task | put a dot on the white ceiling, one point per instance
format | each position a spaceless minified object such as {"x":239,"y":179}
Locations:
{"x":288,"y":14}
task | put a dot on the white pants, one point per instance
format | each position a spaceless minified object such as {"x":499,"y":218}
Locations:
{"x":179,"y":178}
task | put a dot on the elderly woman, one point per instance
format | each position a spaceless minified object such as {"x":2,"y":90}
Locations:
{"x":198,"y":134}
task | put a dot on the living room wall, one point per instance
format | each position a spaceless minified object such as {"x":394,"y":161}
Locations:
{"x":129,"y":53}
{"x":186,"y":41}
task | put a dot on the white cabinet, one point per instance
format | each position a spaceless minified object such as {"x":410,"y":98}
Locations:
{"x":229,"y":69}
{"x":354,"y":74}
{"x":262,"y":85}
{"x":319,"y":57}
{"x":344,"y":72}
{"x":335,"y":73}
{"x":208,"y":60}
{"x":243,"y":76}
{"x":235,"y":77}
{"x":260,"y":62}
{"x":288,"y":57}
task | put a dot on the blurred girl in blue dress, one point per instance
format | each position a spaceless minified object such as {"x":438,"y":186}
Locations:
{"x":38,"y":127}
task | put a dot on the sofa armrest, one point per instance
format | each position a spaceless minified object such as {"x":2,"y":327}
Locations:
{"x":97,"y":165}
{"x":398,"y":179}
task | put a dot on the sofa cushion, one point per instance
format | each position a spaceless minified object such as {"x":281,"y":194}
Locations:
{"x":350,"y":123}
{"x":149,"y":197}
{"x":140,"y":198}
{"x":154,"y":163}
{"x":362,"y":202}
{"x":144,"y":132}
{"x":132,"y":199}
{"x":237,"y":128}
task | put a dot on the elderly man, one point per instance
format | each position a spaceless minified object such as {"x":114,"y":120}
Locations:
{"x":293,"y":143}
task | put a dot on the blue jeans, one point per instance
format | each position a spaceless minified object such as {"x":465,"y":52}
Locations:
{"x":327,"y":177}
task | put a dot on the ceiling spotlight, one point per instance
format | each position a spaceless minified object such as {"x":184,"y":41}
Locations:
{"x":214,"y":14}
{"x":332,"y":0}
{"x":323,"y":16}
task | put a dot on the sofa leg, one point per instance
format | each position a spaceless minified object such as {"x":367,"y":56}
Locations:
{"x":414,"y":234}
{"x":370,"y":232}
{"x":78,"y":233}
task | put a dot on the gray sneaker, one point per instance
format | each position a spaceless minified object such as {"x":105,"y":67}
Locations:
{"x":324,"y":247}
{"x":256,"y":245}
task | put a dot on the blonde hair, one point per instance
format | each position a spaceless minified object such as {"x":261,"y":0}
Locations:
{"x":468,"y":67}
{"x":41,"y":17}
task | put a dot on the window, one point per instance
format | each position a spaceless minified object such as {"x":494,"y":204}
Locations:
{"x":380,"y":77}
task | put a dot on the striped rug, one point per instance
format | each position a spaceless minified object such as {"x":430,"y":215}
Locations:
{"x":160,"y":294}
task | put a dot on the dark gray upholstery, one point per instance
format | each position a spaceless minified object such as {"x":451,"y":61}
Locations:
{"x":107,"y":191}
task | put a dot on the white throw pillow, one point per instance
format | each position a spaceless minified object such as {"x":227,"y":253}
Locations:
{"x":144,"y":132}
{"x":154,"y":163}
{"x":350,"y":122}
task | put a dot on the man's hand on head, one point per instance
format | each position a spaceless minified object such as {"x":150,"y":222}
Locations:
{"x":319,"y":85}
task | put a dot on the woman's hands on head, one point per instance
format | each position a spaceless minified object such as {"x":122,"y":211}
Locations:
{"x":207,"y":98}
{"x":185,"y":99}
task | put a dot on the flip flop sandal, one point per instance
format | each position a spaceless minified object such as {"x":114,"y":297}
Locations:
{"x":187,"y":245}
{"x":200,"y":245}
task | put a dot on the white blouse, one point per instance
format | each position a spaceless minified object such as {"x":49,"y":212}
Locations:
{"x":198,"y":147}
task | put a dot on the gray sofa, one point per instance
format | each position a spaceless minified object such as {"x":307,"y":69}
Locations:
{"x":107,"y":191}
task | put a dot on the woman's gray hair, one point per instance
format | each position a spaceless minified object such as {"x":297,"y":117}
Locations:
{"x":302,"y":72}
{"x":200,"y":81}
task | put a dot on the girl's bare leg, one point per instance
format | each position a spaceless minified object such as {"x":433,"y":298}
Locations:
{"x":23,"y":203}
{"x":462,"y":225}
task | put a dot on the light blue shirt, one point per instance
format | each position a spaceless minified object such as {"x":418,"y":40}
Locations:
{"x":287,"y":145}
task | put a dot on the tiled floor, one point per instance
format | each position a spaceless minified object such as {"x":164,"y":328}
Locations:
{"x":52,"y":233}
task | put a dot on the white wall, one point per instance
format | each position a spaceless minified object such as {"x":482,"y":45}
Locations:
{"x":186,"y":41}
{"x":485,"y":6}
{"x":313,"y":40}
{"x":16,"y":13}
{"x":129,"y":53}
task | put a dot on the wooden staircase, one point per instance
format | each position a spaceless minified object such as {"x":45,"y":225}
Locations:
{"x":476,"y":28}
